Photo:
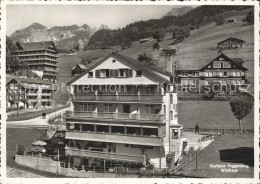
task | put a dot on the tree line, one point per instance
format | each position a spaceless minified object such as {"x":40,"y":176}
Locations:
{"x":145,"y":29}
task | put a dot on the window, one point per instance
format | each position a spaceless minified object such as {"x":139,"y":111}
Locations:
{"x":234,"y":74}
{"x":90,"y":74}
{"x":185,"y":74}
{"x":89,"y":107}
{"x":122,"y":72}
{"x":174,"y":133}
{"x":139,"y":73}
{"x":206,"y":74}
{"x":225,"y":74}
{"x":150,"y":90}
{"x":214,"y":74}
{"x":113,"y":61}
{"x":226,"y":65}
{"x":216,"y":65}
{"x":238,"y":74}
{"x":109,"y":108}
{"x":104,"y":73}
{"x":171,"y":115}
{"x":210,"y":74}
{"x":149,"y":109}
{"x":195,"y":74}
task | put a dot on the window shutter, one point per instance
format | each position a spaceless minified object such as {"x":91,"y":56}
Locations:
{"x":111,"y":73}
{"x":97,"y":73}
{"x":116,"y":73}
{"x":130,"y":73}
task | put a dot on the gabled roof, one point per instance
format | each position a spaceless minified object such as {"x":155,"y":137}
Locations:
{"x":239,"y":61}
{"x":131,"y":61}
{"x":227,"y":59}
{"x":232,"y":38}
{"x":35,"y":45}
{"x":82,"y":67}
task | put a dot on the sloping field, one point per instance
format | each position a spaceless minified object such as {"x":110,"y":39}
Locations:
{"x":211,"y":115}
{"x":200,"y":48}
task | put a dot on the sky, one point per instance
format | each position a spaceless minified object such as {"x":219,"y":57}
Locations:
{"x":21,"y":16}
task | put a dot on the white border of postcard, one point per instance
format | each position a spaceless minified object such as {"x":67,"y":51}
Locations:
{"x":4,"y":179}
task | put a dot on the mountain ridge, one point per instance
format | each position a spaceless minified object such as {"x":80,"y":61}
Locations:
{"x":65,"y":37}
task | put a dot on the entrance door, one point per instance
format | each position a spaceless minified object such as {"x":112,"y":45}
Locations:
{"x":126,"y":108}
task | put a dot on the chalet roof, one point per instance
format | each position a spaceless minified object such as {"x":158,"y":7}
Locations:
{"x":26,"y":80}
{"x":154,"y":73}
{"x":227,"y":59}
{"x":36,"y":45}
{"x":231,"y":39}
{"x":239,"y":61}
{"x":191,"y":64}
{"x":81,"y":66}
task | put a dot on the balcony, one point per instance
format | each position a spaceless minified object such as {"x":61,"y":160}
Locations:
{"x":114,"y":115}
{"x":51,"y":70}
{"x":106,"y":155}
{"x":115,"y":138}
{"x":32,"y":94}
{"x":36,"y":54}
{"x":38,"y":59}
{"x":119,"y":98}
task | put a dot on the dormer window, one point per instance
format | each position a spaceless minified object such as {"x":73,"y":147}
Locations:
{"x":139,"y":73}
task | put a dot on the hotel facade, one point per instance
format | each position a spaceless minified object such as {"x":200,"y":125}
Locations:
{"x":123,"y":113}
{"x":41,"y":57}
{"x":28,"y":93}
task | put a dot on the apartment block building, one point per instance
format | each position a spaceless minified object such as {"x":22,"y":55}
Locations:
{"x":41,"y":58}
{"x":28,"y":93}
{"x":124,"y":112}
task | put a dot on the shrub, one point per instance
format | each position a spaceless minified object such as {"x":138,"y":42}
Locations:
{"x":220,"y":20}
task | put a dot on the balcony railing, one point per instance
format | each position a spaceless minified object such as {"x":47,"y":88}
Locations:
{"x":114,"y":115}
{"x":119,"y":97}
{"x":115,"y":138}
{"x":106,"y":155}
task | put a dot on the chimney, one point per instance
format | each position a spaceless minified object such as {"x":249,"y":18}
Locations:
{"x":219,"y":52}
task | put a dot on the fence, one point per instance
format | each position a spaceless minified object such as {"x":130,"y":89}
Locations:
{"x":221,"y":131}
{"x":31,"y":115}
{"x":48,"y":164}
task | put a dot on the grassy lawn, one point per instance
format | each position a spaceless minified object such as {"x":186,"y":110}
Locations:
{"x":210,"y":155}
{"x":212,"y":115}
